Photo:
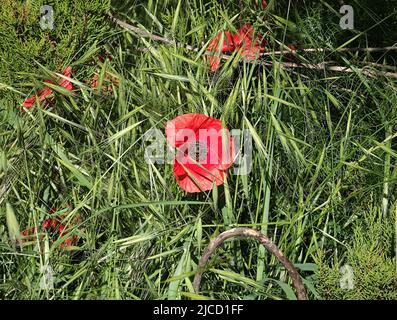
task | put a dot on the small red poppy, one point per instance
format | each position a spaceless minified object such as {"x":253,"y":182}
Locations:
{"x":55,"y":229}
{"x":244,"y":40}
{"x":42,"y":96}
{"x":47,"y":92}
{"x":65,"y":83}
{"x":28,"y":235}
{"x":250,"y":44}
{"x":51,"y":224}
{"x":214,"y":46}
{"x":205,"y":151}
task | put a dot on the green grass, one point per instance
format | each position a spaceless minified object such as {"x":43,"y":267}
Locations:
{"x":324,"y":155}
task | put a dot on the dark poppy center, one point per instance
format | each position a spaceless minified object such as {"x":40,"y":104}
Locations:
{"x":198,"y":150}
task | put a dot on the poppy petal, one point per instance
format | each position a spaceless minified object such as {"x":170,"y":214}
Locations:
{"x":67,"y":84}
{"x":226,"y":151}
{"x":194,"y":170}
{"x":29,"y":102}
{"x":214,"y":46}
{"x":251,"y":47}
{"x":227,"y":44}
{"x":199,"y":180}
{"x":68,"y":72}
{"x":214,"y":63}
{"x":186,"y":126}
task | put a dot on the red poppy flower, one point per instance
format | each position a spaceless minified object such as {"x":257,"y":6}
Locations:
{"x":28,"y":235}
{"x":251,"y":46}
{"x":67,"y":84}
{"x":243,"y":40}
{"x":214,"y":46}
{"x":42,"y":96}
{"x":68,"y":242}
{"x":51,"y":225}
{"x":46,"y":91}
{"x":55,"y":229}
{"x":205,"y":151}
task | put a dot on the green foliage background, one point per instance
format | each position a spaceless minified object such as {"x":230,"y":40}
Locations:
{"x":24,"y":45}
{"x":324,"y":157}
{"x":374,"y":273}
